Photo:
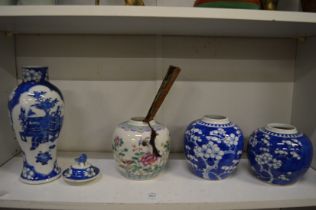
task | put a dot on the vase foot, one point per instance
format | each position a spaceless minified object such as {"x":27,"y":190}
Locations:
{"x":42,"y":181}
{"x":30,"y":176}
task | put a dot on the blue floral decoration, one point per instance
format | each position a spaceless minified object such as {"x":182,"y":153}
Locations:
{"x":43,"y":158}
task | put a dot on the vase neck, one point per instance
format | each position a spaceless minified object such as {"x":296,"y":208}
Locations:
{"x":34,"y":74}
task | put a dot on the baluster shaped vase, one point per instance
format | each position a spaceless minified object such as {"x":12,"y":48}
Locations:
{"x":36,"y":110}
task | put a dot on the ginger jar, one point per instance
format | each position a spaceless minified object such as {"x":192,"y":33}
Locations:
{"x":133,"y":151}
{"x":279,"y":154}
{"x":213,"y":147}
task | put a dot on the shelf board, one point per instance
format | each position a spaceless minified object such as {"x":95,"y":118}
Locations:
{"x":155,"y":21}
{"x":175,"y":188}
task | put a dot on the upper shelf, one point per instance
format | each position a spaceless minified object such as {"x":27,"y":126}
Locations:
{"x":155,"y":20}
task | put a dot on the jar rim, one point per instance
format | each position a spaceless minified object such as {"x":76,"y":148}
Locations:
{"x":281,"y":128}
{"x":30,"y":67}
{"x":215,"y":119}
{"x":138,"y":120}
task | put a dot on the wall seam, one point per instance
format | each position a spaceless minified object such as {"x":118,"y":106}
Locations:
{"x":294,"y":80}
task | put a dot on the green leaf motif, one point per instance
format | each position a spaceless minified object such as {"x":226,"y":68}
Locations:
{"x":147,"y":169}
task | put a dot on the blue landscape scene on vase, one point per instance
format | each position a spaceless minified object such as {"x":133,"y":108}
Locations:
{"x":41,"y":129}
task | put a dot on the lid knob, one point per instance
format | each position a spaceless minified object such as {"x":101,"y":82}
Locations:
{"x":82,"y":159}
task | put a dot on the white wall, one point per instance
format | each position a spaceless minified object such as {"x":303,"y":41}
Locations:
{"x":108,"y":79}
{"x":7,"y":82}
{"x":304,"y":103}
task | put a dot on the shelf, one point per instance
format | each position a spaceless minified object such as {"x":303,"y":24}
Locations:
{"x":155,"y":20}
{"x":175,"y":188}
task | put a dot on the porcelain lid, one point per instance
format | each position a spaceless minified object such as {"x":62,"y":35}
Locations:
{"x":81,"y":170}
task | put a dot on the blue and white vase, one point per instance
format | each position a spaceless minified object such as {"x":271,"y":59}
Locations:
{"x":36,"y":110}
{"x":279,"y":154}
{"x":213,"y":147}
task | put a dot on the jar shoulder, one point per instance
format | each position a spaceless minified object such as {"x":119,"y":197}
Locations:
{"x":43,"y":90}
{"x":264,"y":138}
{"x":146,"y":130}
{"x":202,"y":127}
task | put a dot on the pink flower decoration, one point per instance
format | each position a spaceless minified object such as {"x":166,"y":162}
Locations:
{"x":148,"y":159}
